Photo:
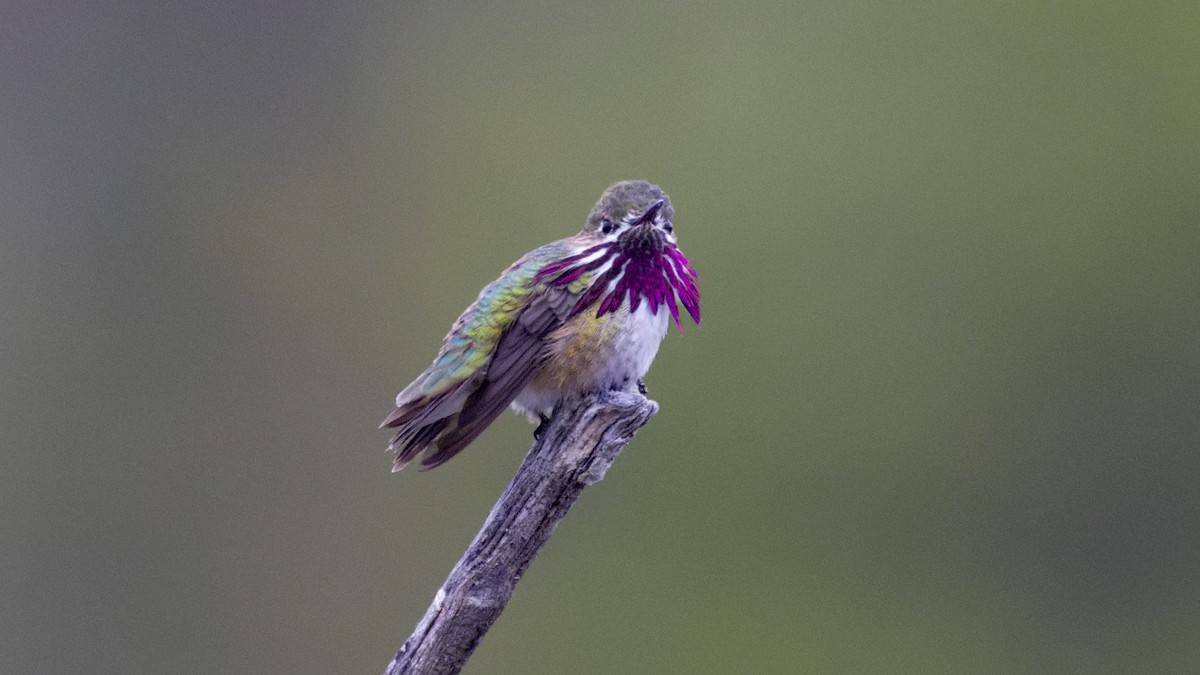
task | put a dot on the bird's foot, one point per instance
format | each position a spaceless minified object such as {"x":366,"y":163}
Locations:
{"x":541,"y":428}
{"x":641,"y":387}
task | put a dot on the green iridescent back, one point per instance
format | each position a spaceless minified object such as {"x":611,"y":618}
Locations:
{"x":474,"y":336}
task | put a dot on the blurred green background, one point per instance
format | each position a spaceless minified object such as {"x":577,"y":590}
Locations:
{"x":942,"y":415}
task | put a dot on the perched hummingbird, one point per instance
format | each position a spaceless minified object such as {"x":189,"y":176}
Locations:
{"x":581,"y":314}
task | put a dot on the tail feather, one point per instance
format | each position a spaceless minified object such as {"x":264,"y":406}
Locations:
{"x":398,"y":417}
{"x":417,"y":428}
{"x":419,"y":411}
{"x":412,"y":440}
{"x":420,"y":419}
{"x":417,"y":425}
{"x":455,"y":439}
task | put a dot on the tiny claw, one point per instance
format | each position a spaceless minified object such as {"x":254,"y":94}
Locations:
{"x":641,"y":387}
{"x":541,"y":428}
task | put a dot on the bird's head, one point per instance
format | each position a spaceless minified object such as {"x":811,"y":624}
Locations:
{"x":633,"y":215}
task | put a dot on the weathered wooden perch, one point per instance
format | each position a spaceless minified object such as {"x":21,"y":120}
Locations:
{"x":575,"y":450}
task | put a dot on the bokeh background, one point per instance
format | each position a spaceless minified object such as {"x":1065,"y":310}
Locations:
{"x":942,"y":415}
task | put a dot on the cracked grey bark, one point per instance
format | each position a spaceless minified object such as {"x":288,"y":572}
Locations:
{"x":576,"y":450}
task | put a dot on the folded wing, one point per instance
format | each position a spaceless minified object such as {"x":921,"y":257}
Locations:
{"x":491,"y":353}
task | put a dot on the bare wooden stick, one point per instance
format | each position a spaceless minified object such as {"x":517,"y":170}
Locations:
{"x":575,"y":450}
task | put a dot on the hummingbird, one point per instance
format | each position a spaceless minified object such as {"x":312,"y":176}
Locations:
{"x":581,"y":314}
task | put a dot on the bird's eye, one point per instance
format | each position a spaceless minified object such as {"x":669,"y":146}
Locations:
{"x":669,"y":228}
{"x":606,"y":227}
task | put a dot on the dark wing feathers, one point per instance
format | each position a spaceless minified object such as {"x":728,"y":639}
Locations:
{"x":519,"y":355}
{"x":522,"y":350}
{"x":452,"y":418}
{"x":521,"y":358}
{"x":418,"y":442}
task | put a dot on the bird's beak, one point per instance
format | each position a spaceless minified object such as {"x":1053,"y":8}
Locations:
{"x":644,"y":236}
{"x":648,"y":216}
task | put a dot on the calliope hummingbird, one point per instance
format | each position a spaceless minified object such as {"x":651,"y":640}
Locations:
{"x":577,"y":315}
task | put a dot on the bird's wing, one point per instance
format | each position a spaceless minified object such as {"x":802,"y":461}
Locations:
{"x":519,"y":355}
{"x":490,"y":354}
